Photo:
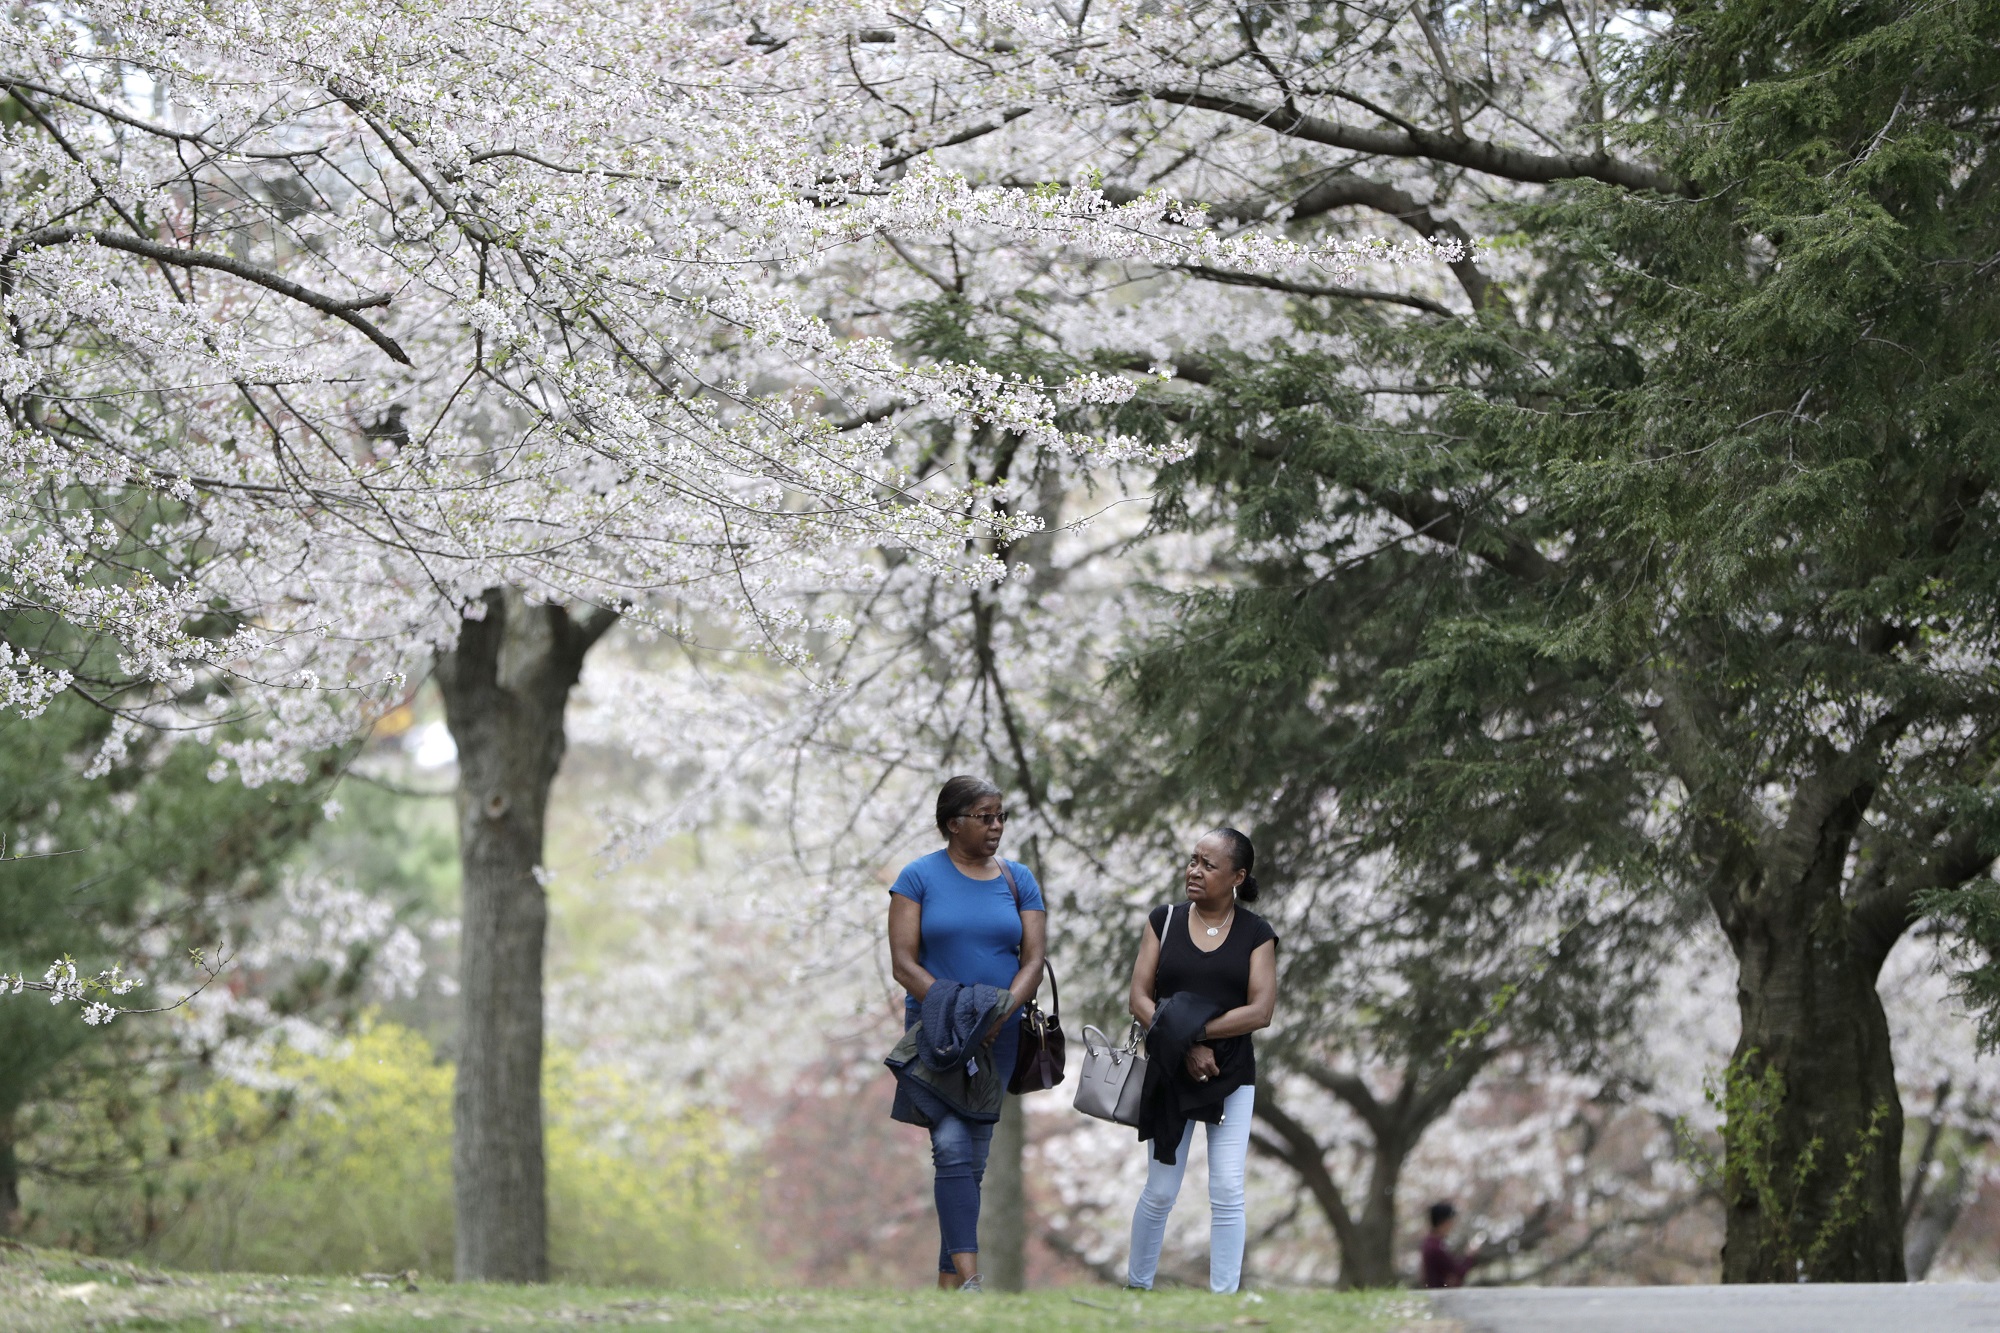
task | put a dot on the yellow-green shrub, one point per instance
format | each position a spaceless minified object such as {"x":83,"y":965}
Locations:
{"x":349,"y":1170}
{"x":636,"y":1196}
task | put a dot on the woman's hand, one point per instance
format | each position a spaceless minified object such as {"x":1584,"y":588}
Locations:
{"x":1200,"y":1062}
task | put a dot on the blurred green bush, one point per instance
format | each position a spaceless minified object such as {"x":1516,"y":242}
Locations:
{"x":340,"y":1162}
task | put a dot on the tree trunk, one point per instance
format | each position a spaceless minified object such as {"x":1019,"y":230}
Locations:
{"x":1814,"y":1156}
{"x":1003,"y":1222}
{"x":1369,"y":1258}
{"x":1367,"y":1240}
{"x":505,"y":687}
{"x":10,"y":1178}
{"x":1928,"y":1225}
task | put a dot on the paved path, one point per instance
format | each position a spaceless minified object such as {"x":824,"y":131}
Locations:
{"x":1942,"y":1307}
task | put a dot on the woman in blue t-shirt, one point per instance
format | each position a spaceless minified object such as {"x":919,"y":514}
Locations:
{"x":953,"y":916}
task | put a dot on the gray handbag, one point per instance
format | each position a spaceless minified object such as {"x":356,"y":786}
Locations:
{"x":1112,"y":1078}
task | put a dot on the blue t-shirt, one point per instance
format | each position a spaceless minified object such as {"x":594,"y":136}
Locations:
{"x":971,"y":928}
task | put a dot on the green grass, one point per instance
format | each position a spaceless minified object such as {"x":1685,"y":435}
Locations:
{"x":48,"y":1291}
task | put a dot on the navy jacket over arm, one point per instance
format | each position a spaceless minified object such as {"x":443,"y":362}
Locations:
{"x":942,"y":1063}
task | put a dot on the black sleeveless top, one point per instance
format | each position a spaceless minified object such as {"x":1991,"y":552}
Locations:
{"x":1222,"y":976}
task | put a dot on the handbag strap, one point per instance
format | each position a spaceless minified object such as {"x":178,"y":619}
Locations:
{"x":1008,"y":875}
{"x":1055,"y":992}
{"x":1139,"y":1030}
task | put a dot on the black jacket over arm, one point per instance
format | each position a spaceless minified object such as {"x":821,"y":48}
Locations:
{"x":1171,"y":1098}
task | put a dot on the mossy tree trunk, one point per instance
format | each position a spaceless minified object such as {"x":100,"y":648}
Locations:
{"x":1813,"y":1173}
{"x":1812,"y":896}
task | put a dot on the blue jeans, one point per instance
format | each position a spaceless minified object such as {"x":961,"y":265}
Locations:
{"x":958,"y":1152}
{"x":1228,"y":1146}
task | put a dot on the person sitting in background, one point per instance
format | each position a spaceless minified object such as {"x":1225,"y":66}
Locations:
{"x":1441,"y":1267}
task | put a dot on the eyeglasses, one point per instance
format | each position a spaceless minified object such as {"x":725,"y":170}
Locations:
{"x":991,"y":821}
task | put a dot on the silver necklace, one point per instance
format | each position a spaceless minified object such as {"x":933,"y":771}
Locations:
{"x":1215,"y":930}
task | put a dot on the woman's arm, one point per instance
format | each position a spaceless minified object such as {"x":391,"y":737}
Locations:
{"x":1034,"y":950}
{"x":906,"y":939}
{"x":1145,"y":971}
{"x":1263,"y":998}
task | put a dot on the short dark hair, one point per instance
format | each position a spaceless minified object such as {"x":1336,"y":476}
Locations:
{"x":1442,"y":1212}
{"x":958,"y":796}
{"x":1242,"y":856}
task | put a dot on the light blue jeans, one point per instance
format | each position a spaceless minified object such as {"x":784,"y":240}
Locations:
{"x":1228,"y":1146}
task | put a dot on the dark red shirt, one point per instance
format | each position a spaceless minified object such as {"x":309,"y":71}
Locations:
{"x":1442,"y":1268}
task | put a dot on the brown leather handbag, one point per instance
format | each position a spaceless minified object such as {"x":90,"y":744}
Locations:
{"x":1038,"y":1063}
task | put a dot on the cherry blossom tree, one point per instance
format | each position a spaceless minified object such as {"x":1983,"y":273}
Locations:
{"x":978,"y":679}
{"x":458,"y":333}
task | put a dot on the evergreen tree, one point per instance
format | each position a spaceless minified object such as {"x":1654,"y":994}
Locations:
{"x":92,"y":863}
{"x":1408,"y":964}
{"x":1686,"y":575}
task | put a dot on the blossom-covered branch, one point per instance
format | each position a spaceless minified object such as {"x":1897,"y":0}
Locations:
{"x":64,"y":983}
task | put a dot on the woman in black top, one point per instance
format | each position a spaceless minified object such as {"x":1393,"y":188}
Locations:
{"x":1205,"y":979}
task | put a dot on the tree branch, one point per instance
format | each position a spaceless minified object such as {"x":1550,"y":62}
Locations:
{"x":938,"y":280}
{"x":1411,"y":142}
{"x":870,"y":416}
{"x":1933,"y":1131}
{"x":1435,"y":1098}
{"x":181,"y":257}
{"x":980,"y":131}
{"x":13,"y":84}
{"x":590,"y":626}
{"x":1444,"y":521}
{"x":1879,"y":917}
{"x":1650,"y":1223}
{"x":1423,"y":303}
{"x":1729,"y":826}
{"x":1344,"y":191}
{"x":1351,"y":1089}
{"x":1836,"y":793}
{"x":1299,"y":1150}
{"x":1349,"y":191}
